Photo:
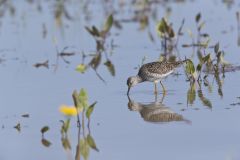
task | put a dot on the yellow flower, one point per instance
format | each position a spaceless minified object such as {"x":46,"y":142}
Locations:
{"x":68,"y":110}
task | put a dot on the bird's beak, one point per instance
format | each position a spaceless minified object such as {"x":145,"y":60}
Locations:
{"x":129,"y":87}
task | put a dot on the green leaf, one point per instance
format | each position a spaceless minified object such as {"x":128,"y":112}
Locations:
{"x":201,"y":25}
{"x":200,"y":55}
{"x":95,"y":31}
{"x":170,"y":31}
{"x":206,"y":58}
{"x":199,"y":67}
{"x":191,"y":94}
{"x":162,"y":27}
{"x":90,"y":110}
{"x":108,"y":24}
{"x":89,"y":31}
{"x":65,"y":126}
{"x":205,"y":101}
{"x":76,"y":100}
{"x":44,"y":129}
{"x":95,"y":61}
{"x":66,"y":143}
{"x":91,"y":142}
{"x":84,"y":148}
{"x":81,"y":68}
{"x":198,"y":17}
{"x":110,"y":67}
{"x":83,"y":98}
{"x":100,"y":48}
{"x":216,"y":48}
{"x":190,"y":69}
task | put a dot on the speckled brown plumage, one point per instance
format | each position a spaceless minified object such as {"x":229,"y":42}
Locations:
{"x":157,"y":70}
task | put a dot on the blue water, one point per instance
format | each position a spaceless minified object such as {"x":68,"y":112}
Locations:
{"x":118,"y":132}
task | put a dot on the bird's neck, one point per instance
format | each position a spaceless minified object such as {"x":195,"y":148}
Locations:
{"x":139,"y":79}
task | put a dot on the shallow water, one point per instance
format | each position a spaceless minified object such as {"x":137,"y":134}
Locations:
{"x":119,"y":133}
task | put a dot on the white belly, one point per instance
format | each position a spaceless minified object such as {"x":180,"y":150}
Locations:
{"x":157,"y":77}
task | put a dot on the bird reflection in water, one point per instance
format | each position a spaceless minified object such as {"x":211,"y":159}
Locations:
{"x":156,"y":112}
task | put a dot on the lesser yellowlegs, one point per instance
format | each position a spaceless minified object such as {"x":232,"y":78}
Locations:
{"x":153,"y":72}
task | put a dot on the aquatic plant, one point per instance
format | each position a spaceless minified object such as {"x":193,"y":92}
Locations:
{"x":85,"y":139}
{"x":100,"y":36}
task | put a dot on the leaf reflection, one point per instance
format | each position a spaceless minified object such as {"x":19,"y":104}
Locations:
{"x":46,"y":142}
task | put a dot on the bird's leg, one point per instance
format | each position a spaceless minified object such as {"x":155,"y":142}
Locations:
{"x":164,"y":90}
{"x":156,"y":97}
{"x":162,"y":98}
{"x":155,"y":88}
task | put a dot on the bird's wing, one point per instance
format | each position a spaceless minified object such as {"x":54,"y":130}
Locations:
{"x":159,"y":67}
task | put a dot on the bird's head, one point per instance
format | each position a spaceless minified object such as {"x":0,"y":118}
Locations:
{"x":132,"y":81}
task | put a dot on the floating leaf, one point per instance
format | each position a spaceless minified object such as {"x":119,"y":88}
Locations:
{"x":204,"y":35}
{"x":90,"y":110}
{"x":26,"y":115}
{"x":45,"y":142}
{"x":108,"y":24}
{"x":110,"y":67}
{"x":91,"y":142}
{"x":81,"y":68}
{"x":198,"y":17}
{"x":42,"y":64}
{"x":44,"y":129}
{"x":190,"y":69}
{"x":18,"y":127}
